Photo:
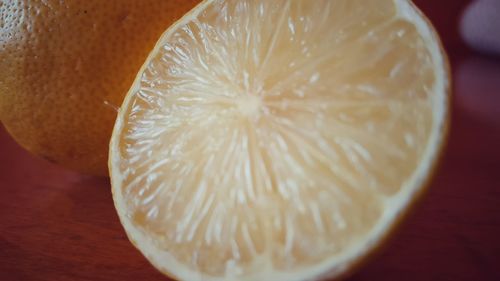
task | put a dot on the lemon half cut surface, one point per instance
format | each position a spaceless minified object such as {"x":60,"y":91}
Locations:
{"x":279,"y":140}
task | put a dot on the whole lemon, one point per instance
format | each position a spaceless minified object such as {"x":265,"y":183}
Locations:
{"x":65,"y":66}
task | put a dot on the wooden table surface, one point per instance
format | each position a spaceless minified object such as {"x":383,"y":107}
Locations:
{"x":58,"y":225}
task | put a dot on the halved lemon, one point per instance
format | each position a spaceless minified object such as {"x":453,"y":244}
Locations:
{"x":278,"y":139}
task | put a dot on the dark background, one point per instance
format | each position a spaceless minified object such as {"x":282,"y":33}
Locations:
{"x":58,"y":225}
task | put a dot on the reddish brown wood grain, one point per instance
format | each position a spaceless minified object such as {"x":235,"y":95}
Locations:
{"x":58,"y":225}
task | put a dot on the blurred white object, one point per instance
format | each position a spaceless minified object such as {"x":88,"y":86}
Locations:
{"x":480,"y":26}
